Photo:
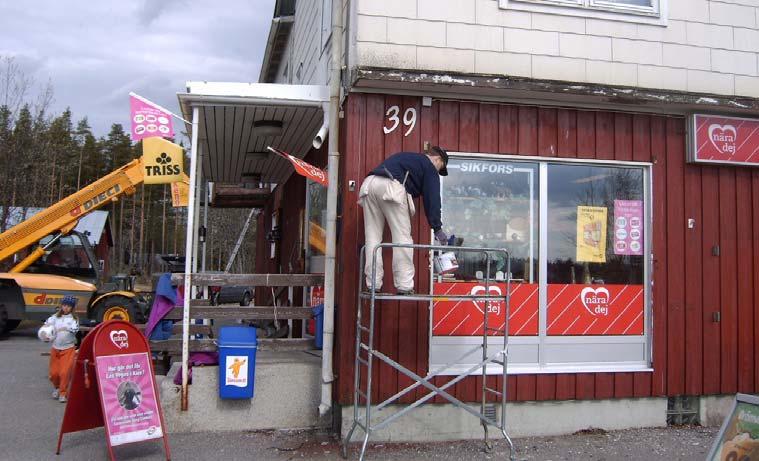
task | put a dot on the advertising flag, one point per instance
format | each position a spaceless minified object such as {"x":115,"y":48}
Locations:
{"x":149,"y":119}
{"x":591,"y":234}
{"x":163,"y":161}
{"x":303,"y":168}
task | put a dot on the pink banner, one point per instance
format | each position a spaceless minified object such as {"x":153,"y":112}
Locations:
{"x":127,"y":394}
{"x":149,"y":120}
{"x":725,"y":140}
{"x":628,"y":227}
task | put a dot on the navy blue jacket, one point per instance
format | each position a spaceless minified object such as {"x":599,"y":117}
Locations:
{"x":423,"y":179}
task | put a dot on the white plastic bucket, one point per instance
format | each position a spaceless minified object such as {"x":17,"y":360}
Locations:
{"x":446,"y":262}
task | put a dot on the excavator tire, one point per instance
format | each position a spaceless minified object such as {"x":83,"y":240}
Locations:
{"x":116,"y":308}
{"x":10,"y":325}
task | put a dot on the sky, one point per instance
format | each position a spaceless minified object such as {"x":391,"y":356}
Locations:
{"x":95,"y":52}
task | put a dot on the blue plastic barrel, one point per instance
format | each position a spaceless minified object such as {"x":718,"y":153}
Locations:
{"x":237,"y":362}
{"x":318,"y":312}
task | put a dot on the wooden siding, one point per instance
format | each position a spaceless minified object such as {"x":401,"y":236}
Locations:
{"x":692,"y":354}
{"x":305,"y":57}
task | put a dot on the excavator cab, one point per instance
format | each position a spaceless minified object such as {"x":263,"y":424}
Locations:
{"x":72,"y":256}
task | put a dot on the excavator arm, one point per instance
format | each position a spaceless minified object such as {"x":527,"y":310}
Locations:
{"x":62,"y":217}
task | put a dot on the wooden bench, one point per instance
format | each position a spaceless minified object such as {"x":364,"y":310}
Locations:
{"x":201,"y":309}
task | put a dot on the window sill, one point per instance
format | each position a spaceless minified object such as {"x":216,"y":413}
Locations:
{"x":532,"y":369}
{"x":621,"y":15}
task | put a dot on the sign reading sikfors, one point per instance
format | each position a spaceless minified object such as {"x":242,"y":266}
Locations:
{"x":724,"y":140}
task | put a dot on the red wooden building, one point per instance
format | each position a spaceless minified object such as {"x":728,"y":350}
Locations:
{"x":703,"y":278}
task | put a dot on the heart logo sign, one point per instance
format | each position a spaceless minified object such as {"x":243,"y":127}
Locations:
{"x":120,"y":338}
{"x":494,"y":307}
{"x":596,"y":301}
{"x":723,"y":137}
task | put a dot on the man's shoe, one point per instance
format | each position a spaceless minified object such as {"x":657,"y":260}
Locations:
{"x":56,"y":393}
{"x":406,"y":292}
{"x":62,"y":399}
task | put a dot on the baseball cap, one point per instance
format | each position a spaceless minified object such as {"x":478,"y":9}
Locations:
{"x":436,"y":150}
{"x":69,"y":300}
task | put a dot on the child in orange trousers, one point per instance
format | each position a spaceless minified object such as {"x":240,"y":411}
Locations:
{"x":63,"y":352}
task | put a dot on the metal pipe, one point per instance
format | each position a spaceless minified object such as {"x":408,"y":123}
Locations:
{"x":332,"y":165}
{"x":322,"y":133}
{"x":190,"y":240}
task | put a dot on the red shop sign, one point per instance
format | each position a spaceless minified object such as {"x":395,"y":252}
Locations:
{"x":724,"y":140}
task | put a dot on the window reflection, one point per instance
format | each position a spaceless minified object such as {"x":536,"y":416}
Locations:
{"x":493,"y":204}
{"x":613,"y":193}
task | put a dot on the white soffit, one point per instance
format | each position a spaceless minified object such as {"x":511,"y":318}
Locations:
{"x":227,"y":112}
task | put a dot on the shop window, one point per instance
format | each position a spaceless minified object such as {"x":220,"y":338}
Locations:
{"x":490,"y":204}
{"x":595,"y":250}
{"x":577,"y":234}
{"x":647,"y":11}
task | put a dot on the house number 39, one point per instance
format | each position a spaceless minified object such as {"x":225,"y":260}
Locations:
{"x":409,"y":119}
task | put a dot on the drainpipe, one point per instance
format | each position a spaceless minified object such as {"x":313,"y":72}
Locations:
{"x":332,"y":189}
{"x":322,"y":133}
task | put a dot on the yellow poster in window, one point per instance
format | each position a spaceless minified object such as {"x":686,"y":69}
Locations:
{"x":163,"y":161}
{"x":591,"y":234}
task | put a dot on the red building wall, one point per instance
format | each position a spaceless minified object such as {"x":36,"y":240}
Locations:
{"x":692,"y":354}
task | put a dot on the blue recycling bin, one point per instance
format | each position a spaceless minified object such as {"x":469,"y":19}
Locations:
{"x":318,"y":312}
{"x":237,"y":362}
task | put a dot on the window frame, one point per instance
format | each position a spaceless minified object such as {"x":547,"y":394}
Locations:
{"x":543,"y":344}
{"x":597,"y":9}
{"x":326,"y":23}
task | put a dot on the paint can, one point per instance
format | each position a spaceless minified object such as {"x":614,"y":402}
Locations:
{"x":445,"y":262}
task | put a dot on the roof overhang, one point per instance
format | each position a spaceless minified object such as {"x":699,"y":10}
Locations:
{"x":503,"y":88}
{"x":227,"y":112}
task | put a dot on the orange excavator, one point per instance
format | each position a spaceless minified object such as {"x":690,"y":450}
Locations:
{"x":63,"y":262}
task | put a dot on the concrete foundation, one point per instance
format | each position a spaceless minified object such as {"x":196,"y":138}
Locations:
{"x":446,"y":422}
{"x":713,"y":409}
{"x":287,"y":395}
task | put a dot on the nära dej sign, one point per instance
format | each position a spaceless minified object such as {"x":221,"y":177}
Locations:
{"x":723,"y":140}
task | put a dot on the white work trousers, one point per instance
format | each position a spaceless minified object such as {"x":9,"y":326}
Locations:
{"x":383,"y":200}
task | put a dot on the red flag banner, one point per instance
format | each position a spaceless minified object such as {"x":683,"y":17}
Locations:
{"x":303,"y":168}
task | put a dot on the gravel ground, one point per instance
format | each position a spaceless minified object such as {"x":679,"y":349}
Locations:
{"x":31,"y":420}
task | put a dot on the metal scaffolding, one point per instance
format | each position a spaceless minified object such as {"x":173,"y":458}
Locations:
{"x":366,"y":352}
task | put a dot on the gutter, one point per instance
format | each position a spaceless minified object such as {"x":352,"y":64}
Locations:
{"x":332,"y":190}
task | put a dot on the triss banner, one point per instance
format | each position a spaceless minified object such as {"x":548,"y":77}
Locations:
{"x":303,"y":168}
{"x":180,"y":192}
{"x":163,"y":161}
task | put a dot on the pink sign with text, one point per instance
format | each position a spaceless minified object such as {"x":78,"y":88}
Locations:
{"x":127,"y":394}
{"x":149,"y":120}
{"x":628,"y":227}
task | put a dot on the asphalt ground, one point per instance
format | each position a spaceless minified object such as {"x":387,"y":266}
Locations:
{"x":30,"y":421}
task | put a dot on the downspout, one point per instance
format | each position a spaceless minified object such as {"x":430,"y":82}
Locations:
{"x":332,"y":166}
{"x":322,"y":133}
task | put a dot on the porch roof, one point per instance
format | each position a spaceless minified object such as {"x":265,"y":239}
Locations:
{"x":230,"y":145}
